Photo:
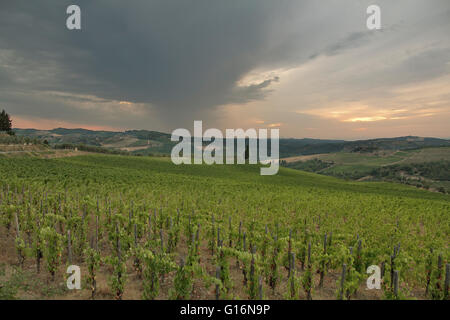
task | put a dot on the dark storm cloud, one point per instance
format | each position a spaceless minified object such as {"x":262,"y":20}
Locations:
{"x":178,"y":56}
{"x":179,"y":59}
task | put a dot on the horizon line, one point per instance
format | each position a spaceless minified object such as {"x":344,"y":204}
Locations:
{"x":304,"y":138}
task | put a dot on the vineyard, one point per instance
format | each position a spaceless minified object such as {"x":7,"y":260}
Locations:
{"x":143,"y":228}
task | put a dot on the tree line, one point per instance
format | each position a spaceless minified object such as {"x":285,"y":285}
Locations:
{"x":6,"y":123}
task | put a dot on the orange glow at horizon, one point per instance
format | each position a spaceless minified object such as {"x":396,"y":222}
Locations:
{"x":45,"y":124}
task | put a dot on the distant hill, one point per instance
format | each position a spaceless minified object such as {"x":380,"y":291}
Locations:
{"x":133,"y":141}
{"x":146,"y":142}
{"x":303,"y":147}
{"x":427,"y":167}
{"x":414,"y":160}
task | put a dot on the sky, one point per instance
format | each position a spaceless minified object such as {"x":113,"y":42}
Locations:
{"x":310,"y":68}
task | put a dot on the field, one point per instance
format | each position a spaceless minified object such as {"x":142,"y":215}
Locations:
{"x":355,"y":165}
{"x":380,"y":158}
{"x":141,"y":227}
{"x":36,"y":151}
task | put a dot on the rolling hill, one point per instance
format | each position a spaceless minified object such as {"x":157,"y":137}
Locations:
{"x":146,"y":142}
{"x":427,"y":167}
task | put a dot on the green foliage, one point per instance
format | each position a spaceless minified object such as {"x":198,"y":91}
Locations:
{"x":119,"y":276}
{"x":155,"y":265}
{"x":88,"y":148}
{"x":222,"y":262}
{"x":123,"y":192}
{"x":5,"y":122}
{"x":313,"y":165}
{"x":436,"y":170}
{"x":307,"y":277}
{"x":52,"y":248}
{"x":437,"y":279}
{"x":93,"y":260}
{"x":21,"y":250}
{"x":182,"y":283}
{"x":252,"y":287}
{"x":274,"y":276}
{"x":8,"y":288}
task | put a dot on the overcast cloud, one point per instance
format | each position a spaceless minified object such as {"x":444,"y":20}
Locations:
{"x":309,"y":67}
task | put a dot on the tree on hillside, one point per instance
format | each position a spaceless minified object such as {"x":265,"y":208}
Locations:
{"x":5,"y":122}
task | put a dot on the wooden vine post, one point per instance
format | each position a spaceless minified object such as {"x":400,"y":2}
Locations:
{"x":69,"y":247}
{"x":217,"y":285}
{"x":396,"y":281}
{"x":341,"y":291}
{"x":323,"y":262}
{"x":447,"y":281}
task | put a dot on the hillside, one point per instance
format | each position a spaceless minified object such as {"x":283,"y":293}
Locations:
{"x":133,"y":141}
{"x":427,"y":168}
{"x":292,"y":148}
{"x":361,"y":159}
{"x":145,"y":142}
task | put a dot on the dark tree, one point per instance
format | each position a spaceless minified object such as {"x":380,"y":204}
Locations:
{"x":5,"y":122}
